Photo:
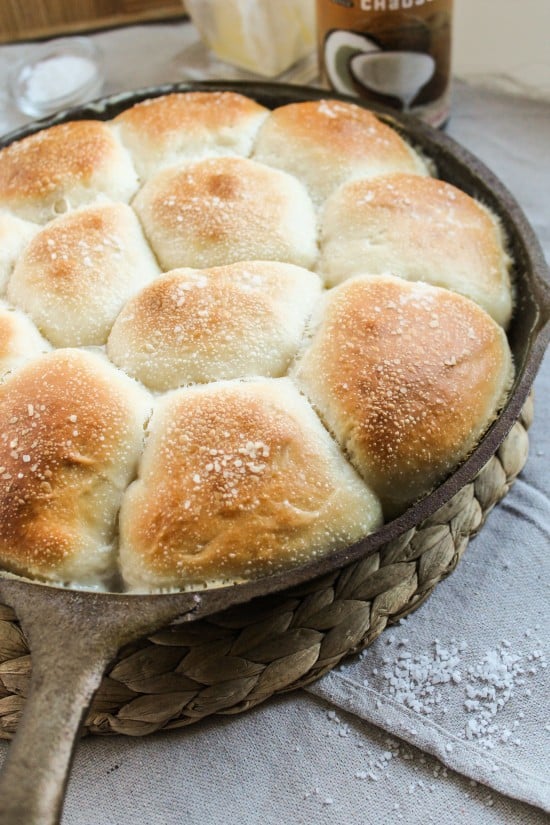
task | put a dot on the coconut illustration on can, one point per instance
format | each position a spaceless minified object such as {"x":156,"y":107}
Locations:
{"x":392,"y":52}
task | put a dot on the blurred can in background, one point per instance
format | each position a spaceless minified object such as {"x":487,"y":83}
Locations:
{"x":392,"y":52}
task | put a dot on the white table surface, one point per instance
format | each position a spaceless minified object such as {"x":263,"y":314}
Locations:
{"x":302,"y":758}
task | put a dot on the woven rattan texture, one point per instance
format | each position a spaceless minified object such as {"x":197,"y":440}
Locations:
{"x":239,"y":658}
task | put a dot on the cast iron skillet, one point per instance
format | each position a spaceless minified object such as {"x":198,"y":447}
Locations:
{"x":73,"y":635}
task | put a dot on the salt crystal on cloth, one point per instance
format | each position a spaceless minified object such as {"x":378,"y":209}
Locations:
{"x":480,"y":707}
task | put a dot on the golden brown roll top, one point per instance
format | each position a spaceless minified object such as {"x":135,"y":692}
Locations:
{"x":235,"y":321}
{"x":14,"y":235}
{"x":19,"y":339}
{"x":408,"y":377}
{"x":167,"y":130}
{"x":419,"y":229}
{"x":238,"y":480}
{"x":222,"y":210}
{"x":327,"y":142}
{"x":78,"y":271}
{"x":70,"y":436}
{"x":64,"y":167}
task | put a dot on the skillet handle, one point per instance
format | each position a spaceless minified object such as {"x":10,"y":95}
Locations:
{"x":65,"y":675}
{"x":34,"y":778}
{"x":72,"y":636}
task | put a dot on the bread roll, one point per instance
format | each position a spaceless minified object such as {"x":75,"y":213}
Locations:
{"x":75,"y":275}
{"x":72,"y":431}
{"x":14,"y":235}
{"x":408,"y":377}
{"x":233,"y":321}
{"x":222,"y":210}
{"x":164,"y":131}
{"x":64,"y":167}
{"x":420,"y":229}
{"x":238,"y":480}
{"x":327,"y":142}
{"x":19,"y":339}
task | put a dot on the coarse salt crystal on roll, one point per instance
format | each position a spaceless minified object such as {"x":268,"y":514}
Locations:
{"x":238,"y":480}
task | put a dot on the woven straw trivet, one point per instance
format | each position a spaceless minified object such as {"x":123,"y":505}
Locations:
{"x":236,"y":659}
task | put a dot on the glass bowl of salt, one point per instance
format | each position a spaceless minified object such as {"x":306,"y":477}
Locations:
{"x":61,"y":73}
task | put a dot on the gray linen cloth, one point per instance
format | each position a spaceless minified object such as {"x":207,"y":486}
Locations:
{"x":444,"y":718}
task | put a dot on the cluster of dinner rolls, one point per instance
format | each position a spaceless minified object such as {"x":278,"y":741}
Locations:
{"x":233,"y":340}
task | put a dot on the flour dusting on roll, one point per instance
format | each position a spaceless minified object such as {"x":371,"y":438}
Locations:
{"x":222,"y":210}
{"x":193,"y":326}
{"x":61,"y":168}
{"x":421,"y":229}
{"x":171,"y":129}
{"x":408,"y":377}
{"x":76,"y":274}
{"x":71,"y":434}
{"x":327,"y":142}
{"x":238,"y":480}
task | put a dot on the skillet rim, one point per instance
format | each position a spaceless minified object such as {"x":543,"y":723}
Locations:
{"x":530,"y":328}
